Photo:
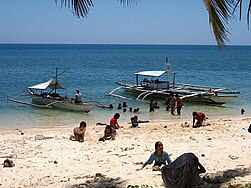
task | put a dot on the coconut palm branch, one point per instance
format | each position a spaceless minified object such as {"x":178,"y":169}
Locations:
{"x":239,"y":3}
{"x":219,"y":11}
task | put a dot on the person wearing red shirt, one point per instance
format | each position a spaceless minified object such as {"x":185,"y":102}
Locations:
{"x":200,"y":117}
{"x":114,"y":124}
{"x":114,"y":121}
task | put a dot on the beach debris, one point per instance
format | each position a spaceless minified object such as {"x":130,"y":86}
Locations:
{"x":126,"y":149}
{"x":185,"y":125}
{"x":139,"y":186}
{"x":202,"y":155}
{"x":7,"y":156}
{"x":42,"y":137}
{"x":8,"y":163}
{"x":55,"y":162}
{"x":192,"y":138}
{"x":138,"y":163}
{"x":233,"y":157}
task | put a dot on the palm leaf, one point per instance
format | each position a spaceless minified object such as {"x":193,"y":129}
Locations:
{"x":219,"y":15}
{"x":80,"y":8}
{"x":128,"y":2}
{"x":239,"y":3}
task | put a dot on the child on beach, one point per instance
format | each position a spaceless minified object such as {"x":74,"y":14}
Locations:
{"x":135,"y":122}
{"x":200,"y":117}
{"x":159,"y":156}
{"x":107,"y":133}
{"x":79,"y":132}
{"x":114,"y":124}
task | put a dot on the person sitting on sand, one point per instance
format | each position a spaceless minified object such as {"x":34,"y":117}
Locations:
{"x":107,"y":133}
{"x":159,"y":156}
{"x":79,"y":132}
{"x":135,"y":122}
{"x":200,"y":117}
{"x":183,"y":172}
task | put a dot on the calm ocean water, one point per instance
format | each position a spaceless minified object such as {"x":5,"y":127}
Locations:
{"x":95,"y":68}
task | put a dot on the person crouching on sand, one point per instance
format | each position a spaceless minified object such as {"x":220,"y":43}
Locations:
{"x":114,"y":124}
{"x":159,"y":156}
{"x":200,"y":117}
{"x":79,"y":132}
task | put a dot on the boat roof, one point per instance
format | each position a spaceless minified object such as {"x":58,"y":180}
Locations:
{"x":150,"y":73}
{"x":49,"y":84}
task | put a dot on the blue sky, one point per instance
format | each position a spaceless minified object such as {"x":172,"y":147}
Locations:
{"x":148,"y":22}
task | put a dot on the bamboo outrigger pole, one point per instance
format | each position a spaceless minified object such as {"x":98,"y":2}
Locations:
{"x":28,"y":103}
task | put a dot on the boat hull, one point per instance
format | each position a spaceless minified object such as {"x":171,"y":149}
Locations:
{"x":208,"y":99}
{"x":63,"y":104}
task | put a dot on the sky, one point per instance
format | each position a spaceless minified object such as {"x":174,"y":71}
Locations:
{"x":108,"y":22}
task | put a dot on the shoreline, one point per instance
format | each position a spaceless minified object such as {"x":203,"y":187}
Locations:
{"x":48,"y":158}
{"x":69,"y":119}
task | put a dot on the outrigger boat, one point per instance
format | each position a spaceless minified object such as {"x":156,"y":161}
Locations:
{"x":45,"y":95}
{"x":151,"y":86}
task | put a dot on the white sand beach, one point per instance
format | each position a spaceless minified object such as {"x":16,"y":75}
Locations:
{"x":48,"y":158}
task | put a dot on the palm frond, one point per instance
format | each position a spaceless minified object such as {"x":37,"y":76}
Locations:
{"x":128,"y":2}
{"x":239,"y":3}
{"x":80,"y":8}
{"x":249,"y":12}
{"x":219,"y":14}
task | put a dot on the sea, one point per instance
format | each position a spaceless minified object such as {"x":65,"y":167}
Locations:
{"x":94,"y":69}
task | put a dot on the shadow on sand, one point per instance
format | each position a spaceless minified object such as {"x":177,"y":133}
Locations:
{"x":99,"y":181}
{"x":223,"y":178}
{"x":213,"y":180}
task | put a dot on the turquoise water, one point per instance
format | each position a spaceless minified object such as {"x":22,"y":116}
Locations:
{"x":95,"y":68}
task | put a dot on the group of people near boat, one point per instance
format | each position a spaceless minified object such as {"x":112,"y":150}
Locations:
{"x":173,"y":101}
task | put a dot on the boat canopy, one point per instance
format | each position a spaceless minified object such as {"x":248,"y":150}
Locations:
{"x":52,"y":84}
{"x":150,"y":73}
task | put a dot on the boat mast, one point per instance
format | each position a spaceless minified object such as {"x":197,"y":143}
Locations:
{"x":56,"y":79}
{"x":168,"y":72}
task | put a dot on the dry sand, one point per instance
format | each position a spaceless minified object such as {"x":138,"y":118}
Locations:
{"x":47,"y":158}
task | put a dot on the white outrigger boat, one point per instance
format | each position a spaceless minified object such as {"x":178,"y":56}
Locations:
{"x":151,"y":86}
{"x":45,"y":95}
